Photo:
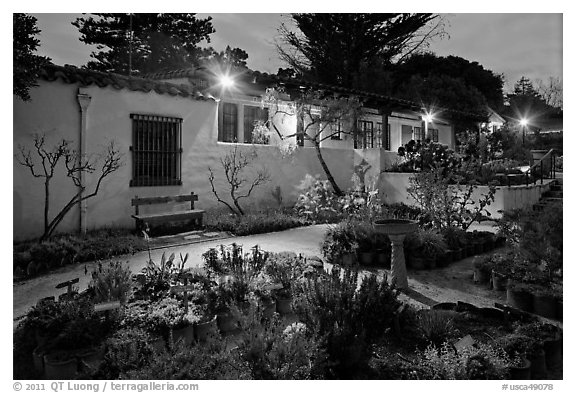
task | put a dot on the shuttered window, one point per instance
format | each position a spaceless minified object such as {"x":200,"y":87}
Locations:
{"x":156,"y":150}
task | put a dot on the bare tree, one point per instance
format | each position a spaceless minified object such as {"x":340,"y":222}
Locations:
{"x":76,"y":166}
{"x":234,"y":163}
{"x":319,"y":117}
{"x":551,"y":91}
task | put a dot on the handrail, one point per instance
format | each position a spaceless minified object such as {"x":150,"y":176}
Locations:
{"x":540,"y":164}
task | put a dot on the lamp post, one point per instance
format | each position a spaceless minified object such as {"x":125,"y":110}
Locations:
{"x":523,"y":123}
{"x":427,"y":117}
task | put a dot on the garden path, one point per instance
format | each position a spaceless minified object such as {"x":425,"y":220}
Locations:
{"x":427,"y":287}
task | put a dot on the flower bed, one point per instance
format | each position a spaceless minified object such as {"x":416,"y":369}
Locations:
{"x":347,"y":327}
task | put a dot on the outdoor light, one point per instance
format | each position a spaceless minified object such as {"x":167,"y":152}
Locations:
{"x":524,"y":122}
{"x":226,"y":81}
{"x":428,"y":117}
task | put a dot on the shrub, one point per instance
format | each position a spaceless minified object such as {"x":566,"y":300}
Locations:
{"x":317,"y":201}
{"x":285,"y":268}
{"x":275,"y":351}
{"x":114,"y":283}
{"x":339,"y":240}
{"x":344,"y":317}
{"x":252,"y":223}
{"x":210,"y":360}
{"x":479,"y":361}
{"x":437,"y":326}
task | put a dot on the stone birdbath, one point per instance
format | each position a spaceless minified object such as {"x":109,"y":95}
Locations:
{"x":397,"y":231}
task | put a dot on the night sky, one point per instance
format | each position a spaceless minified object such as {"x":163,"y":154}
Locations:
{"x":507,"y":43}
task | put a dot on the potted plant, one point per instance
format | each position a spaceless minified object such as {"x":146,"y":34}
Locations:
{"x":284,"y":269}
{"x":183,"y":326}
{"x":544,"y":301}
{"x":207,"y":322}
{"x":519,"y":295}
{"x":517,"y":346}
{"x":340,"y":244}
{"x":430,"y":245}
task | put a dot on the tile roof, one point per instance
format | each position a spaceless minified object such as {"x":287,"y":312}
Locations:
{"x":72,"y":74}
{"x":264,"y":78}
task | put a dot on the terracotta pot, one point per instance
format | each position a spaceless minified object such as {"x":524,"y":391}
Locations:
{"x":38,"y":359}
{"x":538,"y":365}
{"x":478,"y":248}
{"x":204,"y":330}
{"x":185,"y":334}
{"x":445,"y":259}
{"x":416,"y":263}
{"x":559,"y":309}
{"x":481,"y":276}
{"x":499,"y":281}
{"x":521,"y":372}
{"x":226,"y":322}
{"x":457,"y":254}
{"x":284,"y":306}
{"x":553,"y":353}
{"x":367,"y":258}
{"x":544,"y":305}
{"x":60,"y":369}
{"x":383,"y":259}
{"x":519,"y":298}
{"x":91,"y":360}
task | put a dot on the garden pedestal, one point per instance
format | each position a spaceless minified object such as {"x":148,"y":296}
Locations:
{"x":397,"y":231}
{"x":399,"y":274}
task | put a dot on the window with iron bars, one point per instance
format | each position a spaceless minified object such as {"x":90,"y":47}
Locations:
{"x":228,"y":128}
{"x":254,"y":115}
{"x":336,"y":130}
{"x":365,"y":135}
{"x":433,"y":134}
{"x":156,"y":150}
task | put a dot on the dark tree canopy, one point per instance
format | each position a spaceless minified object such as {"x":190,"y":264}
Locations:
{"x":526,"y":102}
{"x":234,"y":58}
{"x":150,"y":42}
{"x":477,"y":85}
{"x":27,"y":65}
{"x":333,"y":48}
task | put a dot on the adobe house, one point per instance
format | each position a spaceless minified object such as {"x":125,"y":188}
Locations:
{"x":172,"y":127}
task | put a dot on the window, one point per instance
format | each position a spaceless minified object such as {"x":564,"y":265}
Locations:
{"x":365,"y":135}
{"x":336,"y":131}
{"x":228,"y":130}
{"x":433,"y":134}
{"x":156,"y":150}
{"x":252,"y":116}
{"x":406,"y":134}
{"x":419,"y":134}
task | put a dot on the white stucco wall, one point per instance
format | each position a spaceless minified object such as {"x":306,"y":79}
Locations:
{"x":393,"y":188}
{"x":54,"y":110}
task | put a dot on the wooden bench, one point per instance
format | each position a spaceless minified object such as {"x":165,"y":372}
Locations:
{"x":145,"y":220}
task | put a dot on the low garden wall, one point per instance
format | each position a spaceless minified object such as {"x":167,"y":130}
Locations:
{"x":393,"y":189}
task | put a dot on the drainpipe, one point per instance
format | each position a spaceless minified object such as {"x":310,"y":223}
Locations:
{"x":84,"y":101}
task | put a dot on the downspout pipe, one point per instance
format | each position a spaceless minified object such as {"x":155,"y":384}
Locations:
{"x":84,"y":100}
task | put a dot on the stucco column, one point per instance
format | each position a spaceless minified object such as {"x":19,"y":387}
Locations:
{"x":398,"y":265}
{"x":84,"y":101}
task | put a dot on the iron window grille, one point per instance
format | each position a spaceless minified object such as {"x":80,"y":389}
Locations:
{"x":379,"y":140}
{"x":156,"y":150}
{"x":336,"y":130}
